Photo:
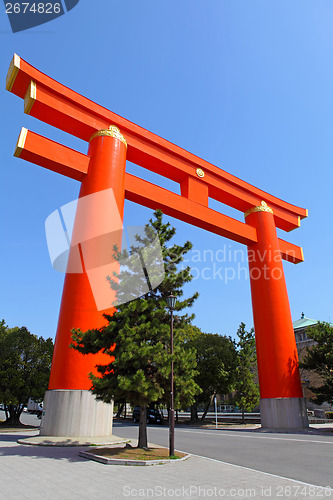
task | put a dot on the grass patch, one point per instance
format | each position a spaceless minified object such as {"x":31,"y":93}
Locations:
{"x":128,"y":453}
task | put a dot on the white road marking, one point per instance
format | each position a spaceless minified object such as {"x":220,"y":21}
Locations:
{"x":254,"y":437}
{"x":327,"y":488}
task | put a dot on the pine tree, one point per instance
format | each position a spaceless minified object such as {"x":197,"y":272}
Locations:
{"x":247,"y":390}
{"x":137,"y":337}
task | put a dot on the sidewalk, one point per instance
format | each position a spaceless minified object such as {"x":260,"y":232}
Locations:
{"x":58,"y":473}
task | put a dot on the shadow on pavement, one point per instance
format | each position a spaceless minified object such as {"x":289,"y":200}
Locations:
{"x":10,"y":447}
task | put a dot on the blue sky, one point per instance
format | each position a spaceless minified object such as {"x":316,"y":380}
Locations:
{"x":245,"y":84}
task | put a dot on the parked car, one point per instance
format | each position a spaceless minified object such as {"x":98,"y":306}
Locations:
{"x":154,"y":416}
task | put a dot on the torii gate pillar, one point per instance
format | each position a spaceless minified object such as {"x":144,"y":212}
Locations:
{"x":281,"y":397}
{"x":70,"y":408}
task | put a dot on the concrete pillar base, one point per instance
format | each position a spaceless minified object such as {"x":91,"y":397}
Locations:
{"x":74,"y":413}
{"x":283,"y":413}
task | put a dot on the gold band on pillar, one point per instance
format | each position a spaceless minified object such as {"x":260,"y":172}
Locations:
{"x":112,"y":131}
{"x":263,"y":207}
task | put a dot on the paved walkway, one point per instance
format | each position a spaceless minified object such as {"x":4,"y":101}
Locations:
{"x":57,"y":473}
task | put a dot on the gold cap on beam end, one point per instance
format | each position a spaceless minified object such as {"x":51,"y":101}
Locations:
{"x":30,"y":97}
{"x":263,"y":207}
{"x":13,"y":70}
{"x":112,"y":131}
{"x":302,"y":254}
{"x":20,"y":142}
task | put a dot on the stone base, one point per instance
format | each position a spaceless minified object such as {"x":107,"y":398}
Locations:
{"x":283,"y":413}
{"x":75,"y":413}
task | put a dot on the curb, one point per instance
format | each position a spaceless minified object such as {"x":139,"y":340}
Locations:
{"x":119,"y":461}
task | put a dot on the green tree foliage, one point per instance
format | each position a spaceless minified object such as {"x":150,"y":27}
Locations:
{"x":319,"y":358}
{"x":247,"y":390}
{"x":216,"y":364}
{"x":25,"y":363}
{"x":137,"y":337}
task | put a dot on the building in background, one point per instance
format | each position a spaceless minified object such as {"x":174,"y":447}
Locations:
{"x":308,"y":377}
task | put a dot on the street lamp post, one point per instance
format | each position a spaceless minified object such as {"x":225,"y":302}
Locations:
{"x":171,"y":301}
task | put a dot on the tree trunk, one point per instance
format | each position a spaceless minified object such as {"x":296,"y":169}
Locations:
{"x":207,"y":408}
{"x":13,"y":419}
{"x":194,"y":413}
{"x":120,"y":409}
{"x":243,"y":415}
{"x":143,"y":442}
{"x":13,"y":415}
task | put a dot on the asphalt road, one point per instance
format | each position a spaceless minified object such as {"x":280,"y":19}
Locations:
{"x":304,"y":457}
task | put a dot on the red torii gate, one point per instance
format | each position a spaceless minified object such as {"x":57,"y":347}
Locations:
{"x":113,"y":139}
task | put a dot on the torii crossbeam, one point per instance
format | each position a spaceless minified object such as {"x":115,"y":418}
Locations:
{"x":113,"y":140}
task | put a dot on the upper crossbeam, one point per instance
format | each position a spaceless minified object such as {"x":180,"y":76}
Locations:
{"x":53,"y":103}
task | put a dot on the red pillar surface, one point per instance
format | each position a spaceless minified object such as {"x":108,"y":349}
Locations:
{"x":275,"y":340}
{"x":107,"y":152}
